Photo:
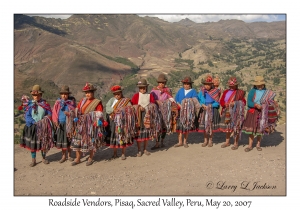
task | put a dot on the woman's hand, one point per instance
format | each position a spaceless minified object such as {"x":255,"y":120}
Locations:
{"x":204,"y":107}
{"x":67,"y":113}
{"x":258,"y":106}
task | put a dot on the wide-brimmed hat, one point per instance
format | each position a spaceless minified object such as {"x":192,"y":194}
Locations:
{"x":36,"y":89}
{"x":232,"y":81}
{"x":64,"y":89}
{"x":208,"y":79}
{"x":142,"y":83}
{"x":187,"y":80}
{"x":259,"y":80}
{"x":116,"y":89}
{"x":88,"y":87}
{"x":162,"y":78}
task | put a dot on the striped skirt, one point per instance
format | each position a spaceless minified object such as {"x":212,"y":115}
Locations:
{"x":62,"y":141}
{"x":113,"y":141}
{"x":143,"y":134}
{"x":215,"y":125}
{"x":29,"y":139}
{"x":251,"y":123}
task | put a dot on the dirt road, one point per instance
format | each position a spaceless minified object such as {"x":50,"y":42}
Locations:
{"x":170,"y":171}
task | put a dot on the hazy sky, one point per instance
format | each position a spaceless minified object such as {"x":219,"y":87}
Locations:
{"x":202,"y":18}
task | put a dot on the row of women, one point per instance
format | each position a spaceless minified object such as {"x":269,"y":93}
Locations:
{"x":146,"y":116}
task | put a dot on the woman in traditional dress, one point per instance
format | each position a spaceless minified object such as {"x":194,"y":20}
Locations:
{"x":113,"y":110}
{"x":209,"y":116}
{"x":86,"y":105}
{"x":144,"y":103}
{"x":186,"y":117}
{"x":63,"y":113}
{"x":232,"y":114}
{"x":37,"y":133}
{"x":261,"y":115}
{"x":161,"y":95}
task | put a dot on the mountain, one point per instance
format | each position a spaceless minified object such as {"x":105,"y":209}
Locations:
{"x":105,"y":49}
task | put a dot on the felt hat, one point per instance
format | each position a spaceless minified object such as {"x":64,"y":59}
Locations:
{"x":88,"y":87}
{"x":36,"y":89}
{"x":142,"y":83}
{"x":116,"y":89}
{"x":232,"y":81}
{"x":64,"y":89}
{"x":162,"y":78}
{"x":187,"y":80}
{"x":259,"y":80}
{"x":207,"y":80}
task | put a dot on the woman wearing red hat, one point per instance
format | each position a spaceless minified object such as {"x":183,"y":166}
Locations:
{"x":63,"y":113}
{"x":209,"y":117}
{"x":121,"y":122}
{"x":86,"y":105}
{"x":37,"y":133}
{"x":232,"y":114}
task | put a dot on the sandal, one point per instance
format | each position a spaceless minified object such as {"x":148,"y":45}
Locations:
{"x":178,"y":145}
{"x":32,"y":164}
{"x":225,"y":145}
{"x":45,"y":161}
{"x":147,"y":153}
{"x":248,"y":149}
{"x":139,"y":154}
{"x":62,"y":160}
{"x":71,"y":159}
{"x":185,"y":145}
{"x":112,"y":158}
{"x":154,"y":147}
{"x":210,"y":144}
{"x":259,"y":148}
{"x":204,"y":144}
{"x":88,"y":163}
{"x":234,"y":147}
{"x":123,"y":157}
{"x":74,"y":163}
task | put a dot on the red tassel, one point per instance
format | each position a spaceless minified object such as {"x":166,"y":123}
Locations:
{"x":105,"y":123}
{"x":20,"y":108}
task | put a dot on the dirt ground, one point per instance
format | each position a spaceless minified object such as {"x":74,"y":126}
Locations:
{"x":169,"y":171}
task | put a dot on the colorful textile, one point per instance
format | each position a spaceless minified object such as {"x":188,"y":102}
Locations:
{"x":124,"y":128}
{"x":209,"y":120}
{"x":148,"y":122}
{"x":262,"y":124}
{"x":89,"y":132}
{"x":202,"y":100}
{"x":45,"y":134}
{"x":36,"y":110}
{"x":61,"y":104}
{"x":187,"y":115}
{"x":85,"y":106}
{"x":169,"y":112}
{"x":213,"y":93}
